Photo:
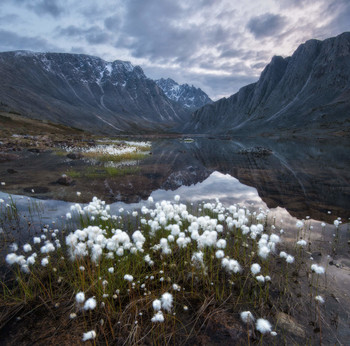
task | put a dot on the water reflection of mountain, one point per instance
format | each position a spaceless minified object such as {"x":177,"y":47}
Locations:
{"x":305,"y":177}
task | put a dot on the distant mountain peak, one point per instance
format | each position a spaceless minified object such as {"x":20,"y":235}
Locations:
{"x":188,"y":96}
{"x":86,"y":92}
{"x":307,"y":92}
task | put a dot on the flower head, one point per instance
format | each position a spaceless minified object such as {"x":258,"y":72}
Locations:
{"x":255,"y":268}
{"x":263,"y":326}
{"x":80,"y":297}
{"x":89,"y":335}
{"x":167,"y":301}
{"x":247,"y":316}
{"x":158,"y":317}
{"x":90,"y":304}
{"x":319,"y":299}
{"x":157,"y":305}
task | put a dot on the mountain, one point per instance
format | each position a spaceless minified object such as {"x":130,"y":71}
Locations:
{"x":188,"y":96}
{"x":307,"y":92}
{"x":86,"y":92}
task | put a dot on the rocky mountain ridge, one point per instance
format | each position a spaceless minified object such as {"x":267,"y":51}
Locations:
{"x":309,"y":91}
{"x":189,"y":96}
{"x":86,"y":92}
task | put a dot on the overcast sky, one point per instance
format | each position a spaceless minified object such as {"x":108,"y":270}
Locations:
{"x":217,"y":45}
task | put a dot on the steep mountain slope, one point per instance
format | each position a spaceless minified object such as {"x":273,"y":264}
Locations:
{"x":308,"y":91}
{"x":188,"y":96}
{"x":85,"y":92}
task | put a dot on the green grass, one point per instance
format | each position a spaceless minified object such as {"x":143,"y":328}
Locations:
{"x":103,"y":157}
{"x":99,"y":172}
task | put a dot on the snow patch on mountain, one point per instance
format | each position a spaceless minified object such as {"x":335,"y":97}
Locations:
{"x":188,"y":96}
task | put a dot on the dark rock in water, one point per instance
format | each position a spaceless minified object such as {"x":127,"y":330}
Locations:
{"x":36,"y":189}
{"x":65,"y":180}
{"x":8,"y":157}
{"x":256,"y":151}
{"x":35,"y":150}
{"x":11,"y":171}
{"x":75,"y":156}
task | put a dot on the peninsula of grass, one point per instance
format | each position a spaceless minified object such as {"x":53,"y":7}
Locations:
{"x":97,"y":172}
{"x":105,"y":157}
{"x":163,"y":274}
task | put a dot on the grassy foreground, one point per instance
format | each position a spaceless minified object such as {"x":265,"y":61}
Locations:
{"x":161,"y":275}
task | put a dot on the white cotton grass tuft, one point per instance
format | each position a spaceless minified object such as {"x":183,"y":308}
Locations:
{"x":301,"y":242}
{"x":177,"y":198}
{"x":247,"y":316}
{"x":44,"y":261}
{"x":90,"y":304}
{"x":319,"y":299}
{"x":89,"y":335}
{"x":158,"y":317}
{"x":128,"y":277}
{"x":27,"y":248}
{"x":289,"y":259}
{"x":263,"y":326}
{"x":157,"y":305}
{"x":255,"y":268}
{"x":219,"y":254}
{"x":167,"y":301}
{"x":260,"y":278}
{"x":317,"y":269}
{"x":80,"y":297}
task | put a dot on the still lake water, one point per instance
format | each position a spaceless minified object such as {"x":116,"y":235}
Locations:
{"x":306,"y":178}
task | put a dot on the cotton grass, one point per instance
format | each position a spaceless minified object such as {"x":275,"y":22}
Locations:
{"x":124,"y":265}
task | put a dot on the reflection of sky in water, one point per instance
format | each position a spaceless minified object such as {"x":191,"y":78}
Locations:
{"x":222,"y":186}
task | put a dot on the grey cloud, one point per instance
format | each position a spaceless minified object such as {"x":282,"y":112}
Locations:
{"x":12,"y":41}
{"x":294,"y":3}
{"x":232,"y":53}
{"x":112,"y":23}
{"x":216,"y":86}
{"x":155,"y":30}
{"x":52,"y":7}
{"x":341,"y":19}
{"x":267,"y":24}
{"x":93,"y":35}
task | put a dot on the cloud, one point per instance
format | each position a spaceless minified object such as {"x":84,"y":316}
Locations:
{"x":12,"y":41}
{"x":41,"y":7}
{"x":113,"y":23}
{"x":52,"y":7}
{"x":93,"y":35}
{"x":267,"y":24}
{"x":341,"y":16}
{"x":166,"y":30}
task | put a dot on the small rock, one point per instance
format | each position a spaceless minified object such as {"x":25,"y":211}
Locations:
{"x":35,"y":150}
{"x":290,"y":324}
{"x":65,"y":180}
{"x":75,"y":156}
